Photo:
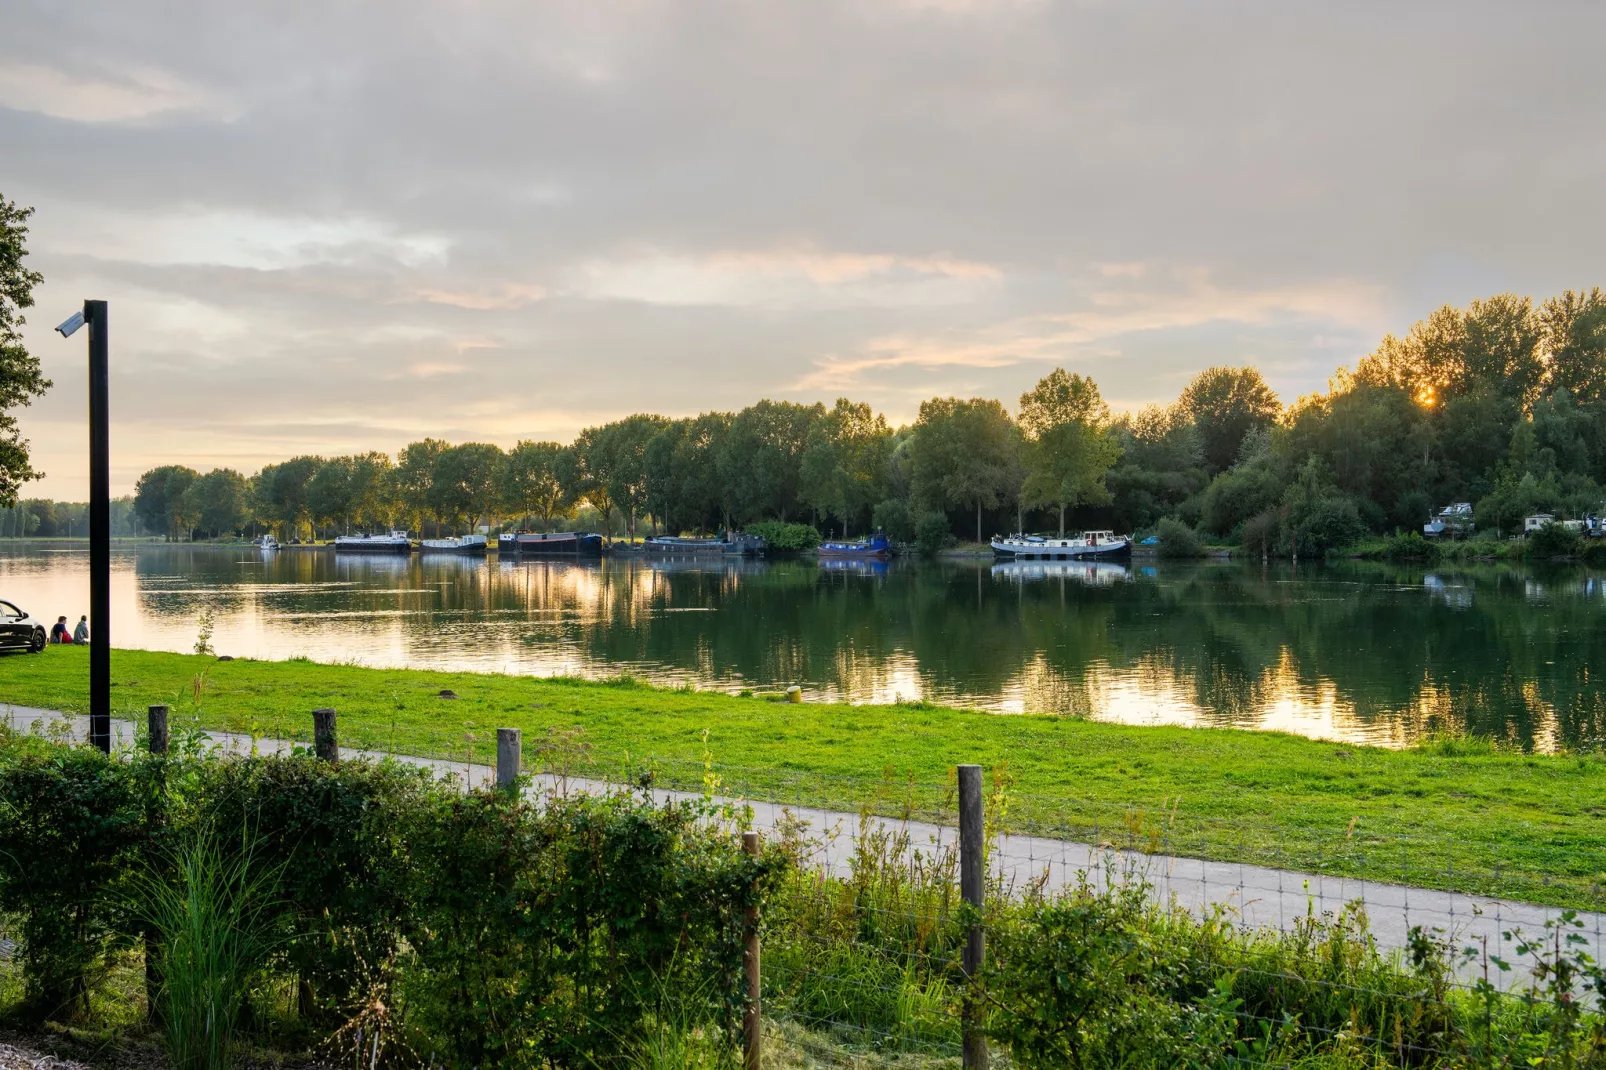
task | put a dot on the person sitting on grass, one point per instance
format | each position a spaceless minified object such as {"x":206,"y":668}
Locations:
{"x":58,"y":631}
{"x":80,"y":634}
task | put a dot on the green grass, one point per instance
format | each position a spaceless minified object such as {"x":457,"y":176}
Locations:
{"x":1454,"y":814}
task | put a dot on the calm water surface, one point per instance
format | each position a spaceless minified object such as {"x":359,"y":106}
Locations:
{"x":1365,"y":653}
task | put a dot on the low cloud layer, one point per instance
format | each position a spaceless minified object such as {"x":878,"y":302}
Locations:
{"x":333,"y":227}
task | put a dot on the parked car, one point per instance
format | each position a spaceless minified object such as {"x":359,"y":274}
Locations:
{"x":20,"y":631}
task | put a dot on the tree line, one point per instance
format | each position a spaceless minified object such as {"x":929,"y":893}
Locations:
{"x":1502,"y":403}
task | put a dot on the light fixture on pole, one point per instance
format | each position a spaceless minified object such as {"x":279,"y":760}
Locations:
{"x":100,"y":533}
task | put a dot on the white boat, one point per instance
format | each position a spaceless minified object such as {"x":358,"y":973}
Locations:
{"x":266,"y":542}
{"x":1048,"y":548}
{"x":465,"y":544}
{"x":395,"y":542}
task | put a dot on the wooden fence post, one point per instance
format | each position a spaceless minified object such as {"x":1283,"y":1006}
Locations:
{"x":972,"y":847}
{"x":509,"y":757}
{"x":753,"y":1016}
{"x":324,"y":743}
{"x":156,"y":720}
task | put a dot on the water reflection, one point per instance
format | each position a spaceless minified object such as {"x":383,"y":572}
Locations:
{"x":1093,"y":573}
{"x":1376,"y":653}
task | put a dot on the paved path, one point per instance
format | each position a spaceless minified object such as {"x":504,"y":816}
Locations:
{"x":1261,"y":896}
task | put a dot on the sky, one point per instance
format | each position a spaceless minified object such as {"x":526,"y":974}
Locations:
{"x":338,"y":226}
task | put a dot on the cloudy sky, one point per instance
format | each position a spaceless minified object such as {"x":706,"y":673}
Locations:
{"x":332,"y":226}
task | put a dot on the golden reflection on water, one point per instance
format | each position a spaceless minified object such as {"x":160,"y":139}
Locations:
{"x":1197,"y":648}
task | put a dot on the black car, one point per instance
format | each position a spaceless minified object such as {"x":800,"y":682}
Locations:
{"x":19,"y":631}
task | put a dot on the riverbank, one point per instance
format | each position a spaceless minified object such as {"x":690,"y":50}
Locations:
{"x":1454,"y":814}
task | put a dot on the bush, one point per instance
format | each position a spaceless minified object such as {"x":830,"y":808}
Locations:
{"x":1551,"y":541}
{"x":72,"y":826}
{"x":892,"y":517}
{"x":931,"y":533}
{"x":786,"y":538}
{"x":1329,"y":523}
{"x":510,"y":930}
{"x":1178,"y":540}
{"x":1401,"y":546}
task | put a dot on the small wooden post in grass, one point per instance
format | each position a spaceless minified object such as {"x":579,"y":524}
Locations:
{"x":509,"y":756}
{"x":753,"y":1016}
{"x":156,"y":720}
{"x":971,"y":873}
{"x":324,"y":743}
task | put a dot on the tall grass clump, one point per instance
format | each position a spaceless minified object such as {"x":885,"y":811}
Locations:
{"x":210,"y":906}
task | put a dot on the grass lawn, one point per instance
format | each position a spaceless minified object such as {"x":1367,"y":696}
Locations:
{"x":1454,"y":814}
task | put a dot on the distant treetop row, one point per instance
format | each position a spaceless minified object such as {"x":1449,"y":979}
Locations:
{"x":1502,"y":403}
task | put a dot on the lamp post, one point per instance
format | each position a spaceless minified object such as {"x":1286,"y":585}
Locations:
{"x":100,"y":533}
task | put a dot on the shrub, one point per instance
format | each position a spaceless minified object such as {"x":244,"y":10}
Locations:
{"x":1178,"y":539}
{"x":1329,"y":523}
{"x":72,"y":824}
{"x":557,"y":930}
{"x":786,"y":538}
{"x":892,"y":517}
{"x":339,"y":834}
{"x":931,"y":533}
{"x":1551,"y":541}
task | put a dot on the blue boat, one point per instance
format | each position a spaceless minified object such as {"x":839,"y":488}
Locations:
{"x":874,"y":548}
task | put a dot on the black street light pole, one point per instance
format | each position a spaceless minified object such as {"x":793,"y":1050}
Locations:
{"x":100,"y":528}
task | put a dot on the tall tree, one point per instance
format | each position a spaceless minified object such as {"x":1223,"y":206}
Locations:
{"x":329,"y":493}
{"x":626,"y":445}
{"x":964,"y":453}
{"x":1068,"y":448}
{"x":159,"y":500}
{"x":20,"y":379}
{"x":415,"y":470}
{"x":280,"y":491}
{"x":1059,"y":398}
{"x":1226,"y":404}
{"x":373,"y":490}
{"x":538,"y":481}
{"x":466,"y":483}
{"x":218,"y":501}
{"x":760,"y":465}
{"x":1573,"y":328}
{"x":593,"y":471}
{"x":842,"y":471}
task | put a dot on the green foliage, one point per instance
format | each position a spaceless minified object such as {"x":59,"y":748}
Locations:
{"x":1225,"y":404}
{"x":482,"y":927}
{"x":162,"y":502}
{"x":1178,"y":540}
{"x":538,"y":481}
{"x":209,"y":904}
{"x":786,"y":538}
{"x":72,"y":826}
{"x":894,"y":519}
{"x":931,"y":533}
{"x":841,"y":469}
{"x":964,"y":454}
{"x":552,"y":930}
{"x":1551,"y":541}
{"x":218,"y":502}
{"x":1401,"y":546}
{"x":20,"y":378}
{"x":337,"y":835}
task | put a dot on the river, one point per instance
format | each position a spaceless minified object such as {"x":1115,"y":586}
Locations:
{"x":1356,"y":652}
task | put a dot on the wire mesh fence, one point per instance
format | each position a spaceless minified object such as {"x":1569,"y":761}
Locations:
{"x":1111,"y":929}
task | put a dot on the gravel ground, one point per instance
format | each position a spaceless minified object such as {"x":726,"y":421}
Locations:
{"x":17,"y":1057}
